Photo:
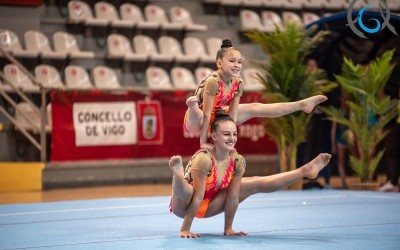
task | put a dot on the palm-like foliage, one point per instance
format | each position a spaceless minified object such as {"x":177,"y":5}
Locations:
{"x":286,"y":79}
{"x":363,"y":87}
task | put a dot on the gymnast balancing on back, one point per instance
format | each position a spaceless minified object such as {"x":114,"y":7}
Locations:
{"x":213,"y":182}
{"x":223,"y":88}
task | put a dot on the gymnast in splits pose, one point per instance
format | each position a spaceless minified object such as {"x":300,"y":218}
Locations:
{"x":213,"y":182}
{"x":223,"y":88}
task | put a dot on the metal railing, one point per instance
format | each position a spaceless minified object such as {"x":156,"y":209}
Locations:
{"x":41,"y":112}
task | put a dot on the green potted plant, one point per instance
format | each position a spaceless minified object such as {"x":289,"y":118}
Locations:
{"x":286,"y":78}
{"x":369,"y":110}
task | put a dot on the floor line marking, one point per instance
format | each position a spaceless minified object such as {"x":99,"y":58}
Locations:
{"x":166,"y":204}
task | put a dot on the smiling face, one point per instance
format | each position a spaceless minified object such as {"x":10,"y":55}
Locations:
{"x":231,"y":63}
{"x":225,"y":135}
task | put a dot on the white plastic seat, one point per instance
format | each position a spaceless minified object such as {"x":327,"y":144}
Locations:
{"x":250,"y":20}
{"x":76,"y":77}
{"x":183,"y":79}
{"x":48,"y":76}
{"x":309,"y":18}
{"x":157,"y":14}
{"x":158,"y":78}
{"x":289,"y":16}
{"x":105,"y":78}
{"x":200,"y":73}
{"x":170,"y":46}
{"x":195,"y":47}
{"x":213,"y":45}
{"x":38,"y":42}
{"x":107,"y":11}
{"x":145,"y":45}
{"x":182,"y":16}
{"x":9,"y":41}
{"x":81,"y":12}
{"x":27,"y":118}
{"x":66,"y":42}
{"x":251,"y":81}
{"x":131,"y":13}
{"x":119,"y":47}
{"x":271,"y":19}
{"x":15,"y":76}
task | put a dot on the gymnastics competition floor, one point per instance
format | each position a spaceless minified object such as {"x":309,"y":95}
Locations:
{"x":315,"y":219}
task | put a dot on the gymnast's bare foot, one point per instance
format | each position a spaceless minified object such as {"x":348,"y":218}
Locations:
{"x":308,"y":105}
{"x":176,"y":166}
{"x":312,"y":168}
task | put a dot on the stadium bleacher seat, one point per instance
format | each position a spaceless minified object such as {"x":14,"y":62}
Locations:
{"x":170,"y":46}
{"x":119,"y":47}
{"x":183,"y":79}
{"x":290,"y":16}
{"x":251,"y":80}
{"x":146,"y":46}
{"x":182,"y":16}
{"x":271,"y":20}
{"x":195,"y":47}
{"x":20,"y":80}
{"x":81,"y":12}
{"x":213,"y":45}
{"x":132,"y":13}
{"x":76,"y":77}
{"x":10,"y":42}
{"x":27,"y":118}
{"x":250,"y":20}
{"x":48,"y":76}
{"x":36,"y":41}
{"x":201,"y":72}
{"x":66,"y":42}
{"x":107,"y":11}
{"x":158,"y":15}
{"x":105,"y":78}
{"x":309,"y":17}
{"x":158,"y":79}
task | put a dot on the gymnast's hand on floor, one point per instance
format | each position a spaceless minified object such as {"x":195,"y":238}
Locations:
{"x":188,"y":234}
{"x":230,"y":232}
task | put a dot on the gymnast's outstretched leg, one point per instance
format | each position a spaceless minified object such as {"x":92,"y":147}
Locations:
{"x":247,"y":111}
{"x":267,"y":184}
{"x":182,"y":191}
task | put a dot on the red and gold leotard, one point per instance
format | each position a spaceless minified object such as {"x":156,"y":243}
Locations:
{"x":216,"y":179}
{"x":214,"y":85}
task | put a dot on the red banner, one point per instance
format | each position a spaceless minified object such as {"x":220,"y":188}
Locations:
{"x":156,"y":131}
